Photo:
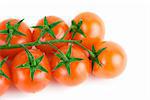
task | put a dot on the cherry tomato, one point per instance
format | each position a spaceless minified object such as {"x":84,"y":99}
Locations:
{"x":93,"y":28}
{"x":49,"y":56}
{"x":4,"y":82}
{"x":79,"y":70}
{"x":21,"y":76}
{"x":16,"y":39}
{"x":113,"y":60}
{"x":59,"y":31}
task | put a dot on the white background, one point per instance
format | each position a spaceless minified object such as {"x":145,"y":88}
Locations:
{"x":127,"y":23}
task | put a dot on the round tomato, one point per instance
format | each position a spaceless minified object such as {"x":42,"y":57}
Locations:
{"x":113,"y":60}
{"x":4,"y":77}
{"x":22,"y":77}
{"x":79,"y":70}
{"x":16,"y":38}
{"x":59,"y":30}
{"x":93,"y":28}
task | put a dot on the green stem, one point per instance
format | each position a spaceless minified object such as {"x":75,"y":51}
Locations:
{"x":83,"y":47}
{"x":47,"y":42}
{"x":54,"y":47}
{"x":36,"y":44}
{"x":66,"y":33}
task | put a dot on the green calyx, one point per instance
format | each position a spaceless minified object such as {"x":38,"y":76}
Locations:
{"x":47,"y":28}
{"x":76,"y":28}
{"x":32,"y":64}
{"x":66,"y":60}
{"x":11,"y":31}
{"x":94,"y":56}
{"x":1,"y":72}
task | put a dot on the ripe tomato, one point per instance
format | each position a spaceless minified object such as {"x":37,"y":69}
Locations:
{"x":79,"y":70}
{"x":59,"y":31}
{"x":21,"y":76}
{"x":4,"y":82}
{"x":93,"y":28}
{"x":16,"y":39}
{"x":113,"y":60}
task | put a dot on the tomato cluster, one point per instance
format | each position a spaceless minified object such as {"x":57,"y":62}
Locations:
{"x":30,"y":59}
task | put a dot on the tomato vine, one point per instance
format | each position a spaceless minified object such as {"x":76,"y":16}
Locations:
{"x":47,"y":28}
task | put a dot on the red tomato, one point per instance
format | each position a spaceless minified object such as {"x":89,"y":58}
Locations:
{"x":113,"y":60}
{"x":49,"y":56}
{"x":59,"y":31}
{"x":4,"y":82}
{"x":79,"y":70}
{"x":93,"y":28}
{"x":16,"y":39}
{"x":21,"y":76}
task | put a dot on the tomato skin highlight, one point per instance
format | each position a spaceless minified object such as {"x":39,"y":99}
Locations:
{"x":21,"y":76}
{"x":113,"y":59}
{"x":93,"y":28}
{"x":59,"y":31}
{"x":4,"y":82}
{"x":80,"y":70}
{"x":15,"y":39}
